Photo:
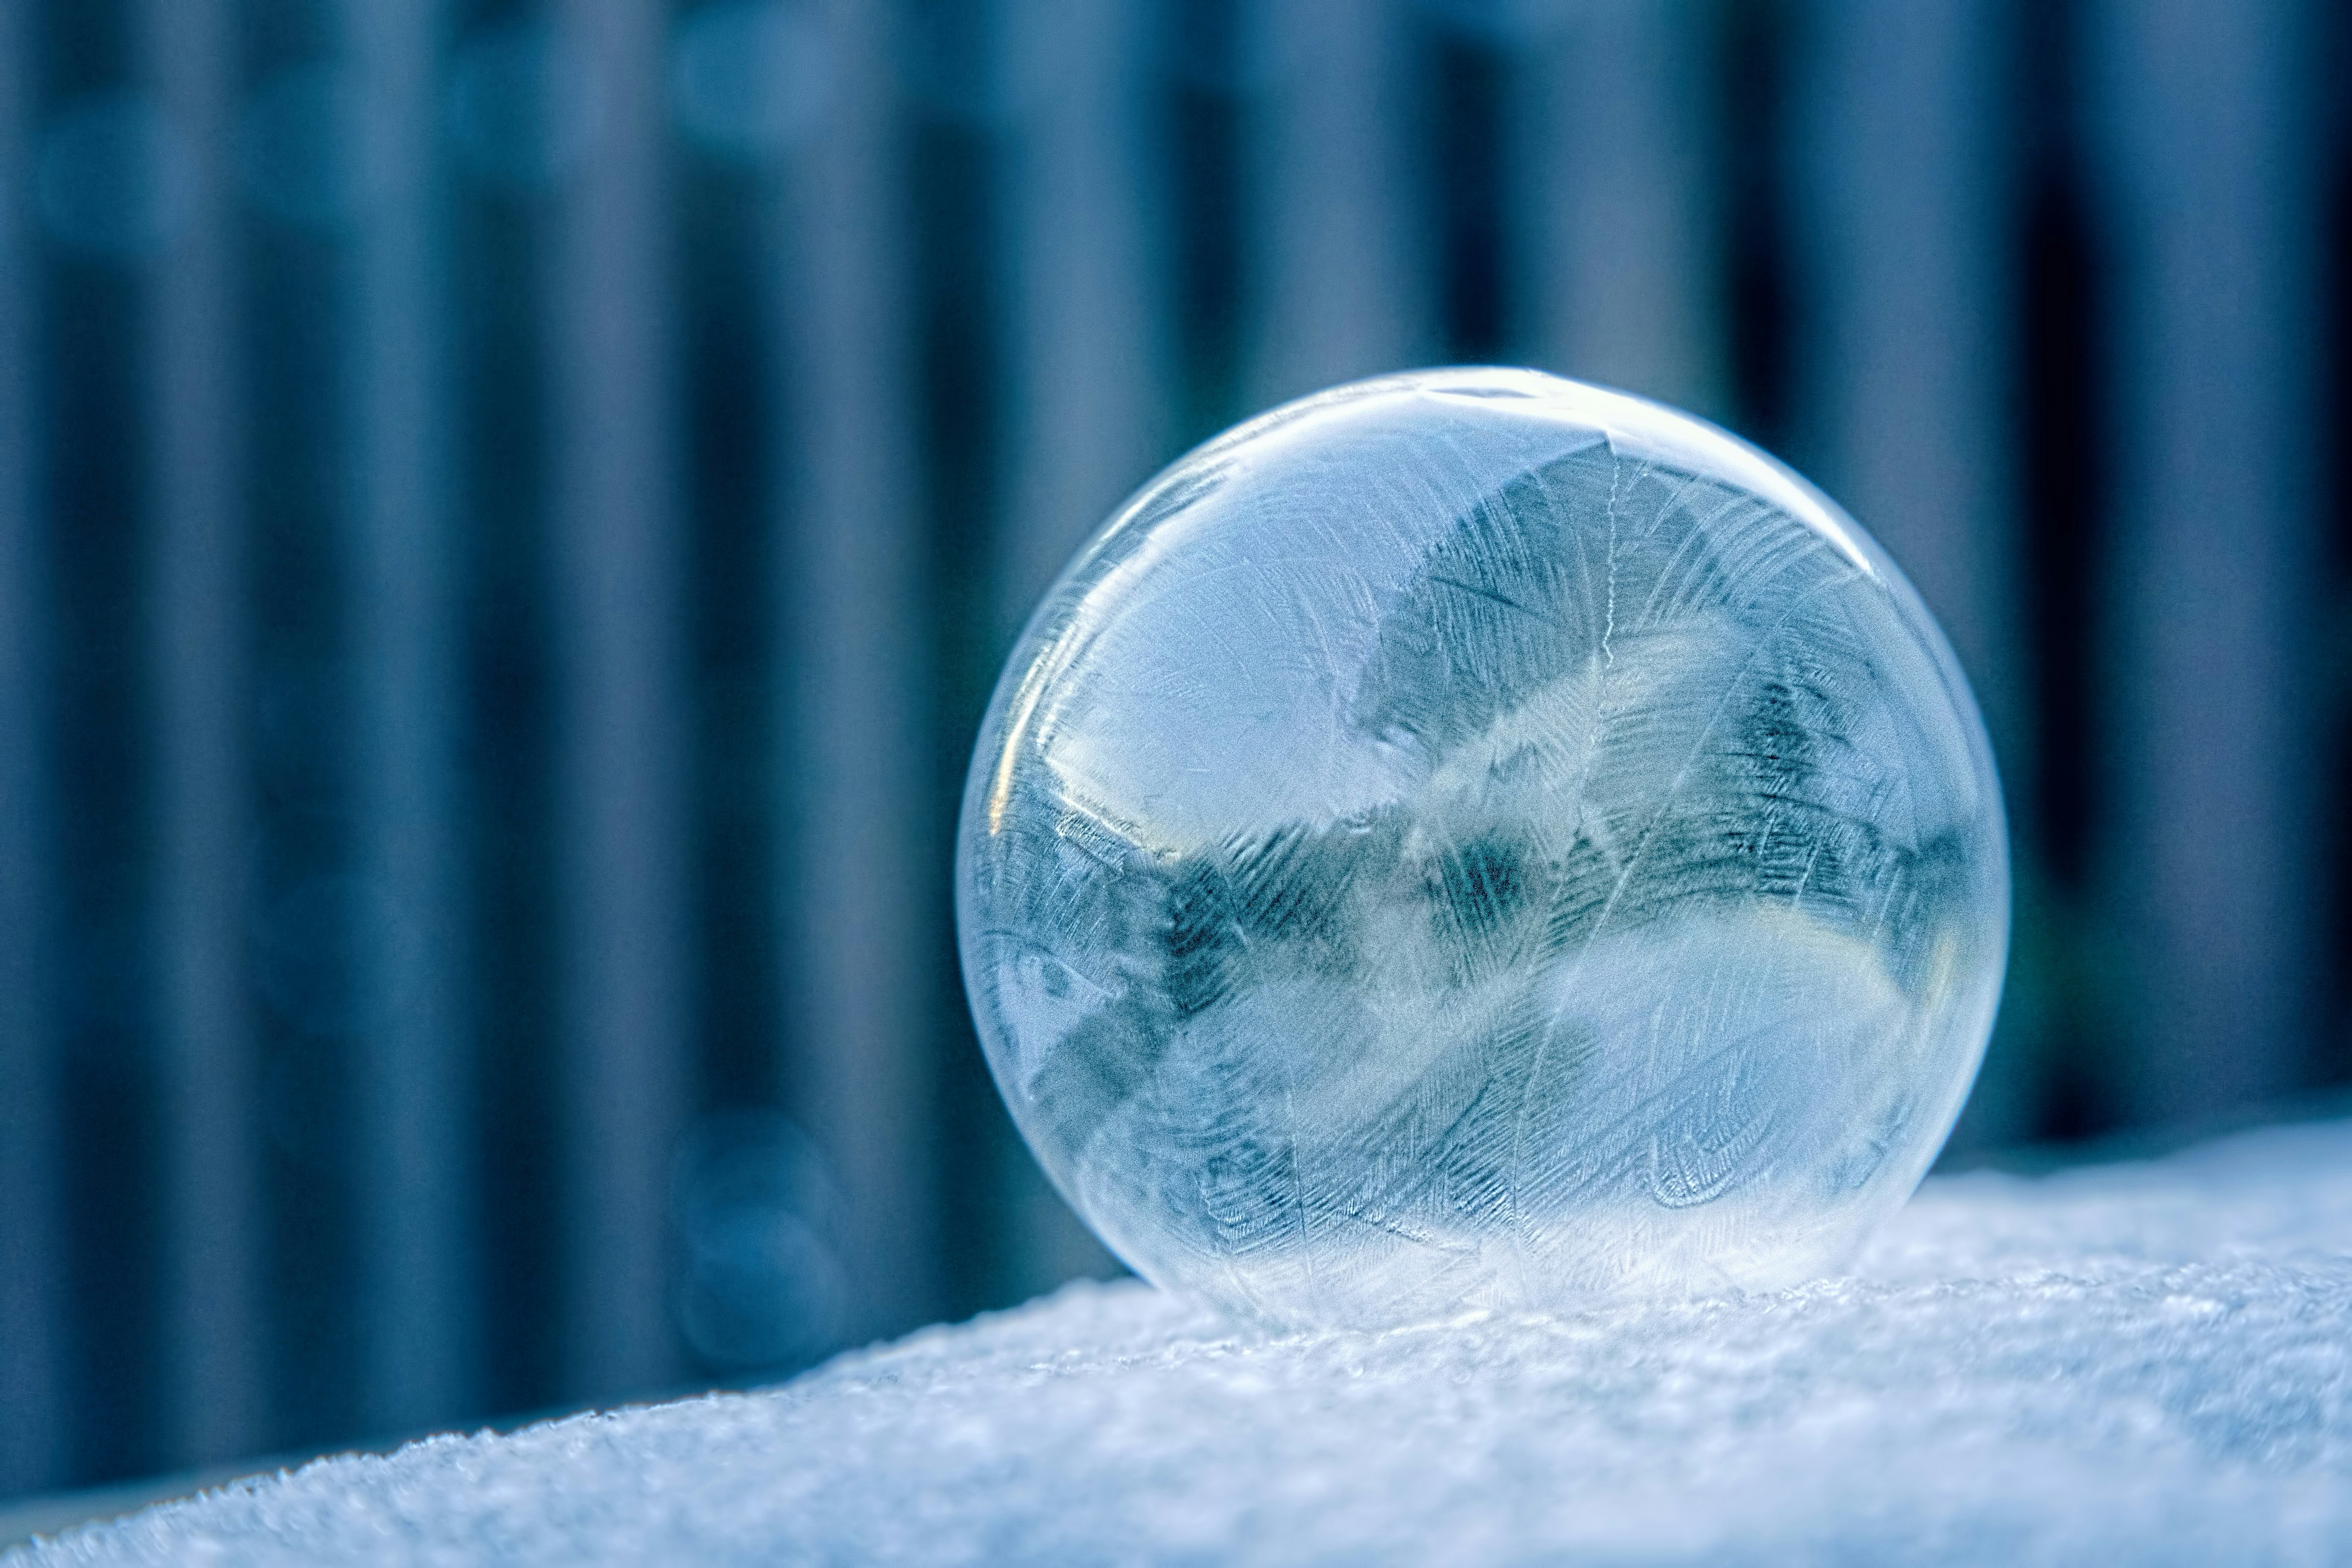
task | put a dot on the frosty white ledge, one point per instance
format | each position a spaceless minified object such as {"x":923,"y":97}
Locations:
{"x":2147,"y":1363}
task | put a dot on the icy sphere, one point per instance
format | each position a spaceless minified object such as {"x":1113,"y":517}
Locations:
{"x":1471,"y":840}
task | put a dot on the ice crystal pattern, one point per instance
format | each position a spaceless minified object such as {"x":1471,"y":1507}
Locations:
{"x":1474,"y":840}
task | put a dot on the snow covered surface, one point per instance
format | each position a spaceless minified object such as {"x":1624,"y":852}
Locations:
{"x":2148,"y":1363}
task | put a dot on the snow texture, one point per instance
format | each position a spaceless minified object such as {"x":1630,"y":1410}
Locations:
{"x":2144,"y":1364}
{"x":1475,"y":839}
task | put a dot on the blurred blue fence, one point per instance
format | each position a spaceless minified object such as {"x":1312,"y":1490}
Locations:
{"x":510,"y":511}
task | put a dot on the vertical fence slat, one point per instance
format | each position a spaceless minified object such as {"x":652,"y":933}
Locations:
{"x":2204,"y":175}
{"x":1902,"y":265}
{"x":1089,"y":372}
{"x":1619,"y":250}
{"x":854,"y":777}
{"x":211,"y":1230}
{"x":32,"y":1438}
{"x":621,"y":787}
{"x":416,"y":1340}
{"x":1902,"y":272}
{"x":1338,"y":238}
{"x":1088,"y":388}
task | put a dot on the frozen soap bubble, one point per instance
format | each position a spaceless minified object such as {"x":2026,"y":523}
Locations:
{"x":1470,"y":839}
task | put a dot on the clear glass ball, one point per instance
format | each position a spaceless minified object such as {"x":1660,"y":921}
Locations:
{"x":1474,"y":840}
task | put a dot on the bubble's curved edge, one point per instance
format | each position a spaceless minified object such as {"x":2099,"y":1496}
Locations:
{"x":1628,"y":420}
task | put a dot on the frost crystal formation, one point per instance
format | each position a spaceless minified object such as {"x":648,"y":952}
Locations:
{"x":1471,"y":839}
